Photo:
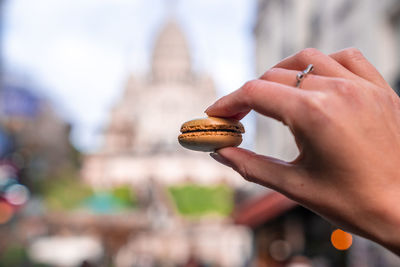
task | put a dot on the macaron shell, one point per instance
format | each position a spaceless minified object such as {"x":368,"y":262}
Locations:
{"x":209,"y":141}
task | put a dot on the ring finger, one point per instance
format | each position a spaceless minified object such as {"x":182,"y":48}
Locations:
{"x":288,"y":77}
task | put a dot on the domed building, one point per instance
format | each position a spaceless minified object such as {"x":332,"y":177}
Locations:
{"x":140,"y":141}
{"x":141,"y":150}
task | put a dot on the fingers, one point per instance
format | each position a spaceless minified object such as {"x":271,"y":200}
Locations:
{"x":272,"y":173}
{"x":268,"y":98}
{"x":288,"y":77}
{"x":353,"y":60}
{"x":324,"y":65}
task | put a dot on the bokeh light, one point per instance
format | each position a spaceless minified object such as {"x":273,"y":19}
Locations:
{"x":17,"y":194}
{"x":6,"y":212}
{"x":341,"y":240}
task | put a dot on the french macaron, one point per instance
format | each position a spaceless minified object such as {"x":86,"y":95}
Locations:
{"x":211,"y":133}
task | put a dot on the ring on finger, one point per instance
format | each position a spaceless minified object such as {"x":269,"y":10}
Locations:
{"x":302,"y":74}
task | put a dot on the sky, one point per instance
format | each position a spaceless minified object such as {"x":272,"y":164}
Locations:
{"x":79,"y":53}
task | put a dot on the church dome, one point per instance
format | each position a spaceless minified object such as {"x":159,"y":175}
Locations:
{"x":149,"y":115}
{"x":171,"y":57}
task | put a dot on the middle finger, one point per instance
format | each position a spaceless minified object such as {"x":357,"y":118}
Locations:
{"x":324,"y":65}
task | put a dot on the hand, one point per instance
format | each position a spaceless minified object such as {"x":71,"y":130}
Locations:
{"x":346,"y":122}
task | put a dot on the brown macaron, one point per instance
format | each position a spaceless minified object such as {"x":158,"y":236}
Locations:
{"x":210,"y":134}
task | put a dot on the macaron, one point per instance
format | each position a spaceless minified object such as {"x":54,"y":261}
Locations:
{"x":211,"y":133}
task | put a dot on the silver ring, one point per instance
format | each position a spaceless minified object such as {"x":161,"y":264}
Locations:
{"x":302,"y":74}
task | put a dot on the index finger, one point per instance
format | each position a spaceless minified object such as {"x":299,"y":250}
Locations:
{"x":271,"y":99}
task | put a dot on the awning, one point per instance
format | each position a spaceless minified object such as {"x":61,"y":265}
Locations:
{"x":262,"y":209}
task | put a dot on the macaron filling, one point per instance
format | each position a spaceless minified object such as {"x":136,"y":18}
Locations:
{"x":213,"y":130}
{"x":210,"y":134}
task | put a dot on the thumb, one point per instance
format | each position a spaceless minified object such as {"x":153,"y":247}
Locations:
{"x":266,"y":171}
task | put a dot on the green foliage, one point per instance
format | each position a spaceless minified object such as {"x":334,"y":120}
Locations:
{"x":125,"y":195}
{"x":196,"y":200}
{"x":65,"y":193}
{"x":13,"y":256}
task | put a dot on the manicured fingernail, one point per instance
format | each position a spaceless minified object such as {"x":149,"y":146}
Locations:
{"x":221,"y":159}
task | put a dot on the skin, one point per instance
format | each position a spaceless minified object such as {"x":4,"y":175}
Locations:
{"x":346,"y":123}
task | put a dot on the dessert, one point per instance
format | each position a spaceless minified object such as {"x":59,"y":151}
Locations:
{"x":210,"y":134}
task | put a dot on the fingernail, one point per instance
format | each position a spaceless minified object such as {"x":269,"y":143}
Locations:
{"x":221,"y":159}
{"x":207,"y":109}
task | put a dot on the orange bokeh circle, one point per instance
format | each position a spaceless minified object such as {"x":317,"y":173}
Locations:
{"x":341,"y":240}
{"x":6,"y":212}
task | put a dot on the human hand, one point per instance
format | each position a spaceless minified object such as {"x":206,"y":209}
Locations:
{"x":346,"y":123}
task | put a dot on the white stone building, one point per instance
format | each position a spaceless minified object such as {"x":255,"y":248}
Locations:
{"x":141,"y":150}
{"x":140,"y":141}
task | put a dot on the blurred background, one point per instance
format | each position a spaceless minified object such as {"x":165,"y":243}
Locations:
{"x":92,"y":96}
